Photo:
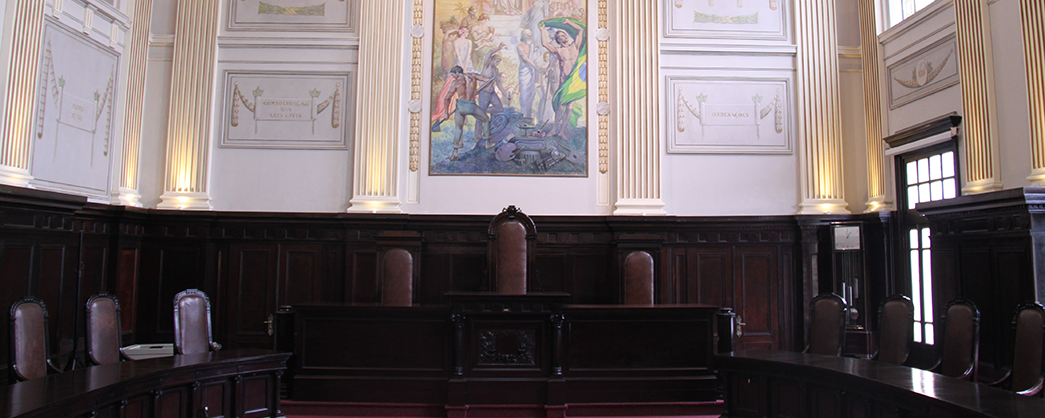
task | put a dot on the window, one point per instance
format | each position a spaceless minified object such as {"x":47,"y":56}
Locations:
{"x":903,"y":9}
{"x":926,"y":176}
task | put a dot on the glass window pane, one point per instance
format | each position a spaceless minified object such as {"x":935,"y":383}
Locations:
{"x":919,"y":4}
{"x":916,"y":286}
{"x":935,"y":168}
{"x":936,"y":190}
{"x":917,"y":333}
{"x":925,"y":239}
{"x":912,"y":196}
{"x":927,"y":285}
{"x":950,"y":188}
{"x":912,"y":173}
{"x":923,"y":170}
{"x":914,"y":239}
{"x":923,"y":193}
{"x":929,"y":339}
{"x":948,"y":164}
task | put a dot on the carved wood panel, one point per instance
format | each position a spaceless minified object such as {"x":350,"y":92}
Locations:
{"x":251,"y":294}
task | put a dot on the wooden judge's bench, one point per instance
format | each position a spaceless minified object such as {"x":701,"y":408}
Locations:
{"x":492,"y":349}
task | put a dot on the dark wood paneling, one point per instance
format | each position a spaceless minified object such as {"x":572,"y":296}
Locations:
{"x":301,"y":273}
{"x":127,"y":287}
{"x":251,"y":294}
{"x":755,"y":291}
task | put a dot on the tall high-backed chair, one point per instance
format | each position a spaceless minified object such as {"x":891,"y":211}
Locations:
{"x":961,"y":340}
{"x":1026,"y":375}
{"x":895,"y":329}
{"x":397,"y":278}
{"x":28,"y":356}
{"x":192,"y":333}
{"x":826,"y":324}
{"x":512,"y":236}
{"x":103,"y":329}
{"x":638,"y":278}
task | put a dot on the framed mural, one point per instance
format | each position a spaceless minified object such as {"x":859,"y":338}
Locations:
{"x":292,"y":15}
{"x":73,"y":146}
{"x":729,"y":116}
{"x":290,"y":111}
{"x":509,"y":88}
{"x":735,"y":19}
{"x":923,"y":73}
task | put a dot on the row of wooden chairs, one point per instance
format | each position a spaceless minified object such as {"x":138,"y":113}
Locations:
{"x":28,"y":356}
{"x":959,"y":345}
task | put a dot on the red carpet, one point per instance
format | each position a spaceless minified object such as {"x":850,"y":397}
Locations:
{"x":351,"y":410}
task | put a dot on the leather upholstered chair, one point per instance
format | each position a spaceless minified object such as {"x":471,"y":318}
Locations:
{"x":961,"y":340}
{"x":192,"y":333}
{"x":512,"y":236}
{"x":895,"y":329}
{"x":28,"y":356}
{"x":1026,"y":375}
{"x":397,"y":276}
{"x":826,"y":324}
{"x":103,"y":330}
{"x":638,"y":278}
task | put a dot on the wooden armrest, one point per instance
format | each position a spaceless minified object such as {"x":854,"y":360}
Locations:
{"x":52,"y":368}
{"x":994,"y":377}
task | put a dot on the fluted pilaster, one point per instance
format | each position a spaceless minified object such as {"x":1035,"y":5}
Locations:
{"x":979,"y":112}
{"x":870,"y":55}
{"x":137,"y":55}
{"x":1033,"y":15}
{"x":16,"y":142}
{"x":375,"y":179}
{"x":636,"y":111}
{"x":820,"y":120}
{"x":192,"y":88}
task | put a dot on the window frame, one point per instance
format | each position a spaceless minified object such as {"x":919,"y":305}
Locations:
{"x":909,"y":219}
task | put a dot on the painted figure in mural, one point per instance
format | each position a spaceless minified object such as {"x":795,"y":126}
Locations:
{"x":464,"y":86}
{"x":471,"y":19}
{"x":571,"y":63}
{"x":482,"y":36}
{"x":532,"y":20}
{"x":463,"y":50}
{"x":508,"y":7}
{"x":528,"y":72}
{"x":489,"y":101}
{"x":450,"y":34}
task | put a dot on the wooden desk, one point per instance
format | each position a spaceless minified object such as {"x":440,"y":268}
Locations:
{"x":504,"y":350}
{"x":787,"y":384}
{"x":241,"y":383}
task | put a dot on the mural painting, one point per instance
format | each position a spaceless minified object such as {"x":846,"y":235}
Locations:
{"x":509,"y":88}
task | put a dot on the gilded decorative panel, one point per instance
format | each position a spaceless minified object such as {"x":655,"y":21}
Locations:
{"x":923,"y":73}
{"x":72,"y":147}
{"x":736,"y":116}
{"x":297,"y":111}
{"x":739,"y":19}
{"x":292,"y":15}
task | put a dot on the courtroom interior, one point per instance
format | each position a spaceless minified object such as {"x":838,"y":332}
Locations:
{"x":522,"y":208}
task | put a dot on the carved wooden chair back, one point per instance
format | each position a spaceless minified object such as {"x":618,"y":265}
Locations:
{"x":1026,"y":361}
{"x":192,"y":326}
{"x":638,"y":278}
{"x":961,"y":340}
{"x":512,"y":235}
{"x":397,"y":278}
{"x":895,"y":329}
{"x":103,"y":329}
{"x":28,"y":357}
{"x":826,"y":324}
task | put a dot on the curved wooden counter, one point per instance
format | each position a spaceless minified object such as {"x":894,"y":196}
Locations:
{"x":787,"y":384}
{"x":242,"y":383}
